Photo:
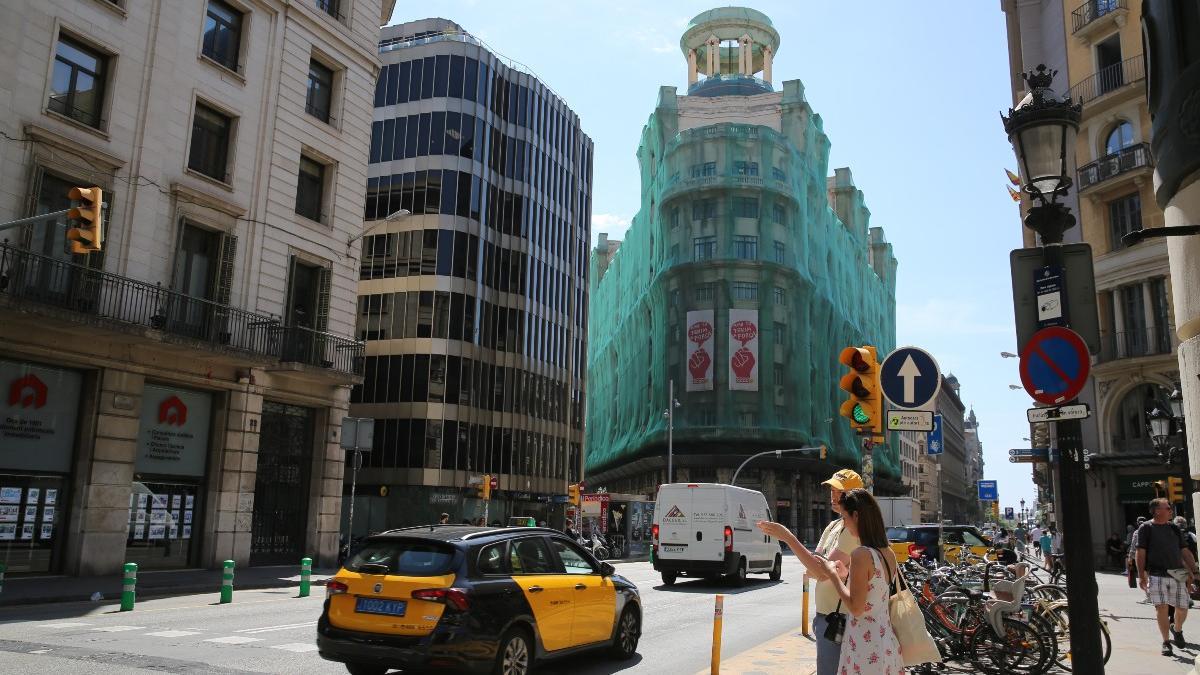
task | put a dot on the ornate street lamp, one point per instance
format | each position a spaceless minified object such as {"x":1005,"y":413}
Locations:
{"x":1159,"y":422}
{"x":1042,"y":130}
{"x":1175,"y":400}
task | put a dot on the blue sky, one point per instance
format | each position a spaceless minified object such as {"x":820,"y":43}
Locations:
{"x":909,"y":94}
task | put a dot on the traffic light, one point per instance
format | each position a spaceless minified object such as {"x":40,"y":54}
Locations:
{"x":573,"y":493}
{"x":864,"y":408}
{"x":485,"y":488}
{"x":1175,"y":489}
{"x":824,"y":452}
{"x":86,"y":236}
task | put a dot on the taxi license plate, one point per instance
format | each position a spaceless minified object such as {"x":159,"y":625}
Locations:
{"x":379,"y":606}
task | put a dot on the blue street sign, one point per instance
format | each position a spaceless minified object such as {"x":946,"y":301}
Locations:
{"x":933,"y":440}
{"x":1008,"y":513}
{"x":909,"y":377}
{"x":988,"y":492}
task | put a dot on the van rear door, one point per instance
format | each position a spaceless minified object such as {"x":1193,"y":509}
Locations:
{"x":674,"y":511}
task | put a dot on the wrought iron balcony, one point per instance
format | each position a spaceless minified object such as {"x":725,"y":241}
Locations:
{"x":1109,"y":79}
{"x":104,"y":298}
{"x":321,"y":349}
{"x":1149,"y":341}
{"x":1092,"y":10}
{"x":1129,"y":159}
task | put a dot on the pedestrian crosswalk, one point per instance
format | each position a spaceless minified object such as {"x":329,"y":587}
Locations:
{"x":240,"y":637}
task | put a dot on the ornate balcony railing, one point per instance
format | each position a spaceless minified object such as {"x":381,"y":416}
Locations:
{"x":104,"y":298}
{"x":1150,"y":341}
{"x":1092,"y":10}
{"x":1128,"y":159}
{"x":321,"y":349}
{"x":1109,"y":79}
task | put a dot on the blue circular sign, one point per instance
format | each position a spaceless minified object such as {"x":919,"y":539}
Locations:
{"x":1055,"y":365}
{"x":909,"y":377}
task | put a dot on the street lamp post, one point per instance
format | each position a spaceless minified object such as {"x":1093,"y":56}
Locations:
{"x":1042,"y":129}
{"x":1159,"y":422}
{"x":669,"y":413}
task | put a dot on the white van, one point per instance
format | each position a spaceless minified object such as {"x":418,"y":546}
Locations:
{"x":707,"y":530}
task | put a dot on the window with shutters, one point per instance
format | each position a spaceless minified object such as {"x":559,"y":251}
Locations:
{"x":745,"y":247}
{"x":310,"y":189}
{"x":204,"y":265}
{"x":308,"y":295}
{"x":1124,"y":216}
{"x":319,"y":97}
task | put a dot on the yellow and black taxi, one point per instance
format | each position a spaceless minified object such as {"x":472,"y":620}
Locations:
{"x":922,"y":540}
{"x":474,"y":599}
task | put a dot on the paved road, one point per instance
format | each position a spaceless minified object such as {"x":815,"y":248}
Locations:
{"x":1136,"y":642}
{"x":272,"y":631}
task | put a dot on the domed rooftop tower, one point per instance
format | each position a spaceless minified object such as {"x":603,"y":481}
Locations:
{"x":729,"y":46}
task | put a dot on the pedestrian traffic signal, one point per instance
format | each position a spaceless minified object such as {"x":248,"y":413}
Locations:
{"x":1175,"y":489}
{"x":86,"y":236}
{"x":864,"y":408}
{"x":573,"y":493}
{"x":485,"y":488}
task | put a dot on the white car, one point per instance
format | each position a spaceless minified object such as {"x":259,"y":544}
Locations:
{"x":707,"y":530}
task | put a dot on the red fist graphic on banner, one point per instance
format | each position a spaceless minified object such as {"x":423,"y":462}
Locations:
{"x":742,"y":364}
{"x":698,"y":365}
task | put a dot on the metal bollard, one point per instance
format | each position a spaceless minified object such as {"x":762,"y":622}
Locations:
{"x":804,"y":605}
{"x":718,"y":611}
{"x":227,"y":582}
{"x":305,"y":576}
{"x":129,"y":587}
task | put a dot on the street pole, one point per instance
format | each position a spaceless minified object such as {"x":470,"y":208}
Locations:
{"x":353,"y":488}
{"x":670,"y":430}
{"x":777,"y":453}
{"x":939,"y":511}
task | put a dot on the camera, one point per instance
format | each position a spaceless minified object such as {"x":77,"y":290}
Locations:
{"x":835,"y":627}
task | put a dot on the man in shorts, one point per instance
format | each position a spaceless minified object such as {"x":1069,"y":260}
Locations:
{"x":1166,"y":569}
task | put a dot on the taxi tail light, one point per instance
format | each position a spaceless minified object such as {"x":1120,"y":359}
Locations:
{"x":452,"y":597}
{"x":728,"y":539}
{"x":335,"y":587}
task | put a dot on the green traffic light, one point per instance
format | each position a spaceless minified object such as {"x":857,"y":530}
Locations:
{"x":860,"y":415}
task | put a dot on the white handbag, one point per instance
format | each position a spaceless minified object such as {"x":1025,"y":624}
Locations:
{"x":916,"y":645}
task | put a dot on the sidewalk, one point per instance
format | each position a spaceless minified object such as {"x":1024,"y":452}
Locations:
{"x":47,"y":589}
{"x":789,"y":654}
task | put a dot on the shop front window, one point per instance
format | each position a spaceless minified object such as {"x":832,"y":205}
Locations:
{"x":38,"y":418}
{"x":164,"y":503}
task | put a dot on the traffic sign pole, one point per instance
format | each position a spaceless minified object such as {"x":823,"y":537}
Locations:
{"x":1083,"y":609}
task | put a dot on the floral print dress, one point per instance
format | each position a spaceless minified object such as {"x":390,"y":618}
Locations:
{"x":869,"y":646}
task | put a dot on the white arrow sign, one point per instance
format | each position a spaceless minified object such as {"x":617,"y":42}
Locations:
{"x":909,"y":372}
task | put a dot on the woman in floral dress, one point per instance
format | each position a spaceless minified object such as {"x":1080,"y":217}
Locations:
{"x":869,"y":644}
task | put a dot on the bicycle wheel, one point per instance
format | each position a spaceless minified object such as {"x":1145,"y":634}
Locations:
{"x":1062,"y":625}
{"x":1022,"y":649}
{"x":1051,"y":592}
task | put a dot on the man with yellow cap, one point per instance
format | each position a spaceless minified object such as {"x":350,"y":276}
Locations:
{"x":836,"y":544}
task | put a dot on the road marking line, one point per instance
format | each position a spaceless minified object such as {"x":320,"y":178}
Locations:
{"x":41,"y":651}
{"x":234,"y":640}
{"x":173,"y":633}
{"x":296,"y":647}
{"x":271,"y":629}
{"x":65,"y":625}
{"x":118,"y":629}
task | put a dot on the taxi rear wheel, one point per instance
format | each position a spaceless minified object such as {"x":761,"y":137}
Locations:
{"x":628,"y":631}
{"x":515,"y":656}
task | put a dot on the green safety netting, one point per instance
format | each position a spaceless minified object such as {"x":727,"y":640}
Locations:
{"x":785,"y":240}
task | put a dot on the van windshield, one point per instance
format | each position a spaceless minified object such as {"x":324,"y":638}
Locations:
{"x":403,"y":558}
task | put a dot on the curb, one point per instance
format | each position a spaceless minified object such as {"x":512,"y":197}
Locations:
{"x":164,"y":592}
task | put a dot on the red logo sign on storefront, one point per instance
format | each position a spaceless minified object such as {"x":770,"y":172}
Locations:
{"x":172,"y":411}
{"x":27,"y":391}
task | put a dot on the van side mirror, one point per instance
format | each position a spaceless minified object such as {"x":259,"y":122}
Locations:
{"x":607,"y":570}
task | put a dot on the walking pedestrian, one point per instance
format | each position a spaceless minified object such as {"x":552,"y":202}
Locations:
{"x":1035,"y":540}
{"x":1189,"y":537}
{"x":1115,"y":549}
{"x":1166,"y":569}
{"x":869,"y":645}
{"x":1021,"y":537}
{"x":1044,"y":542}
{"x":836,"y":544}
{"x":444,"y":520}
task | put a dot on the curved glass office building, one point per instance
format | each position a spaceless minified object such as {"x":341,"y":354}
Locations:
{"x":473,"y":290}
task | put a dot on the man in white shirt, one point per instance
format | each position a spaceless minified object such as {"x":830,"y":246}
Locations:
{"x":1035,"y":535}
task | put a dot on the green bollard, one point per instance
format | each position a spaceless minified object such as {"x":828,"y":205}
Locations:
{"x":227,"y":582}
{"x":129,"y":587}
{"x":305,"y":576}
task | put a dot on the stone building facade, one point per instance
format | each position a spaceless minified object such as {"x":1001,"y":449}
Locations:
{"x":175,"y":399}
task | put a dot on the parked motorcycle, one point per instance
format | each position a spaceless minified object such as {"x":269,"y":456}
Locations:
{"x":596,"y":545}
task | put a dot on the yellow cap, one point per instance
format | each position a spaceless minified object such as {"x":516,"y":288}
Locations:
{"x":846,"y":479}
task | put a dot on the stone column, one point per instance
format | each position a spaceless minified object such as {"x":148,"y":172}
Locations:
{"x":1120,"y":337}
{"x":768,"y":56}
{"x":692,"y":76}
{"x":332,"y":470}
{"x":714,"y":56}
{"x":745,"y":57}
{"x":235,"y":480}
{"x":103,"y":523}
